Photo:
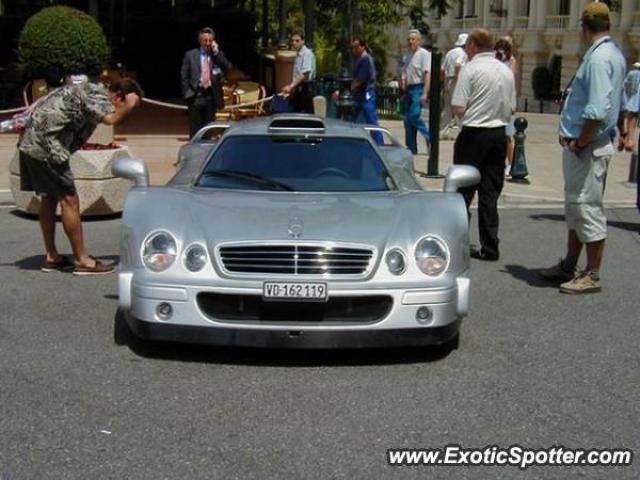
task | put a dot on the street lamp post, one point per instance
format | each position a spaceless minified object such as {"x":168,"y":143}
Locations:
{"x":282,"y":34}
{"x":308,"y":6}
{"x":345,"y":104}
{"x":434,"y":115}
{"x":265,"y":23}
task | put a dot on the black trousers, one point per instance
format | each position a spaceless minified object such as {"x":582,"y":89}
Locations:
{"x":202,"y":110}
{"x":302,"y":98}
{"x":485,"y":149}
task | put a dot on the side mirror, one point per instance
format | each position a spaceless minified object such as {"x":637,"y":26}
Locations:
{"x":459,"y":176}
{"x":131,"y":169}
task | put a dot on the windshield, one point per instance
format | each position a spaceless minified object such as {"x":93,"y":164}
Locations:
{"x":300,"y":164}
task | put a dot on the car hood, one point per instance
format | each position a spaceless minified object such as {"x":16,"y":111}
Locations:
{"x":232,"y":216}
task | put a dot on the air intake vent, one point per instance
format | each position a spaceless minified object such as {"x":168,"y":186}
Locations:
{"x":296,"y":260}
{"x":291,"y":123}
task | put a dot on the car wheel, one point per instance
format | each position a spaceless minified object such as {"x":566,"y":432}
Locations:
{"x":449,"y":346}
{"x":122,"y":334}
{"x":454,"y":343}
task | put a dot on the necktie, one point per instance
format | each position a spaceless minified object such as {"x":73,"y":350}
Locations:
{"x":206,"y":72}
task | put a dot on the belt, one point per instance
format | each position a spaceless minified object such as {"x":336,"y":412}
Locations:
{"x":503,"y":127}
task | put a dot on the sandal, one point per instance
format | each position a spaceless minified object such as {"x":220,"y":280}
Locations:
{"x":62,"y":265}
{"x":98,"y":269}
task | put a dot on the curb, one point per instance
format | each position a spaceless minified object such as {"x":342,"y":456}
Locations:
{"x":6,"y":199}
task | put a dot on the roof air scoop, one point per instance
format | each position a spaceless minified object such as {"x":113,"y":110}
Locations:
{"x":296,"y":123}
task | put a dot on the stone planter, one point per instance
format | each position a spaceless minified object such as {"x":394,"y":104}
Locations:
{"x":100,"y":192}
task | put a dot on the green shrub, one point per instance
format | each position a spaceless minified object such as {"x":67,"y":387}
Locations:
{"x":59,"y":41}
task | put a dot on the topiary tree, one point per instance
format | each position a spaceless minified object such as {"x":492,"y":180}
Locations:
{"x":59,"y":41}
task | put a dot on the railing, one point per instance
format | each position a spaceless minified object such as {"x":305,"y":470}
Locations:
{"x":522,"y":8}
{"x":456,"y":23}
{"x":521,"y":22}
{"x":472,"y":22}
{"x":494,"y":22}
{"x":389,"y":102}
{"x":557,"y":22}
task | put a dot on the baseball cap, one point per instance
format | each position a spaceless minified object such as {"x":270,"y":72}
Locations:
{"x":461,"y":40}
{"x":595,"y":11}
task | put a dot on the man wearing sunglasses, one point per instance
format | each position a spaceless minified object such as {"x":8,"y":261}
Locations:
{"x":302,"y":86}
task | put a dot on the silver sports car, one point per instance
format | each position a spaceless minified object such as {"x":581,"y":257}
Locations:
{"x":294,"y":231}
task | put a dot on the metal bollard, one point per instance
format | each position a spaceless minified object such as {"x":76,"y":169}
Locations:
{"x":345,"y":105}
{"x":519,"y":165}
{"x":633,"y":168}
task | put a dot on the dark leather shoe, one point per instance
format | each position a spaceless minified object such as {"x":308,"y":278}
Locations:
{"x":479,"y":254}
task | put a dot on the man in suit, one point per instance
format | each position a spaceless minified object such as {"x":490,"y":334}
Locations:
{"x":201,"y":80}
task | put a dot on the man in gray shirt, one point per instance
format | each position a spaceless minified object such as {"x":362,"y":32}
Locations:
{"x":302,"y":86}
{"x":415,"y":82}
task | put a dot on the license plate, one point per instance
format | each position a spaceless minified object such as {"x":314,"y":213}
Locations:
{"x":314,"y":292}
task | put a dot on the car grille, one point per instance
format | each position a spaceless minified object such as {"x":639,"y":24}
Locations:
{"x":336,"y":310}
{"x":296,"y":259}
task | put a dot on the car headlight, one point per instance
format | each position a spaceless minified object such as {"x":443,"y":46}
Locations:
{"x":396,"y":261}
{"x":159,"y":251}
{"x":195,"y":258}
{"x":432,"y":256}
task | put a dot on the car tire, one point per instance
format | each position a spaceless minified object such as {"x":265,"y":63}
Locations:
{"x":447,"y":347}
{"x":122,"y":334}
{"x":454,"y":343}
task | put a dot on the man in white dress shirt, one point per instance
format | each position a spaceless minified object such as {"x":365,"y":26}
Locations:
{"x":484,"y":98}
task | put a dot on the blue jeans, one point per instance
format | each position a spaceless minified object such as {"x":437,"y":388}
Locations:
{"x":365,"y":112}
{"x":412,"y":121}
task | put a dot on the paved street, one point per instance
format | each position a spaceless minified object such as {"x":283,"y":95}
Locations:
{"x":534,"y":368}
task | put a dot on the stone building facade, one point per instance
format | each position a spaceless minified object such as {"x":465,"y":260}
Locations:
{"x":545,"y":32}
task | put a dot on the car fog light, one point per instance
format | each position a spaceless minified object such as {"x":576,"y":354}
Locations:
{"x":424,"y":315}
{"x":396,"y":261}
{"x":164,"y":311}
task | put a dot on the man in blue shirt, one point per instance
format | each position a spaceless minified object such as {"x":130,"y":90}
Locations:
{"x":629,"y":132}
{"x":363,"y":85}
{"x":590,"y":111}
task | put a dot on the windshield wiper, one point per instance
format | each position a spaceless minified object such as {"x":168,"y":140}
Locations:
{"x":251,"y":177}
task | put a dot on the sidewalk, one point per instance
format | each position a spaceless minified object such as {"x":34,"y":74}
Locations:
{"x":542,"y":151}
{"x":544,"y":163}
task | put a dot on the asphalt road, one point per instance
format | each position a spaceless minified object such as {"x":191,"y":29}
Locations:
{"x":534,"y":368}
